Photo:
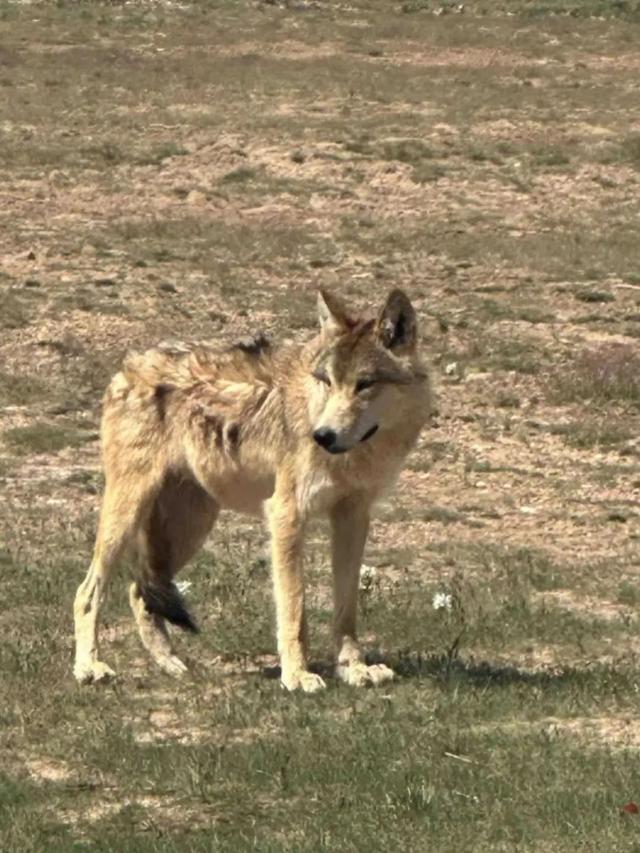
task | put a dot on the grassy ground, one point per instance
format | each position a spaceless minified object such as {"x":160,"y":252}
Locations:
{"x":197,"y":170}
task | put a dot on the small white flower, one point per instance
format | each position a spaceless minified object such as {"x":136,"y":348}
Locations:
{"x":368,"y":575}
{"x":184,"y":586}
{"x":528,"y":510}
{"x":442,"y":601}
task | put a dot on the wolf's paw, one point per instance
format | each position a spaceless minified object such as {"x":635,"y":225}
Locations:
{"x":358,"y":674}
{"x":308,"y":682}
{"x":172,"y":665}
{"x":88,"y":673}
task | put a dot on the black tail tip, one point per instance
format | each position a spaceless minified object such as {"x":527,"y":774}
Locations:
{"x":166,"y":601}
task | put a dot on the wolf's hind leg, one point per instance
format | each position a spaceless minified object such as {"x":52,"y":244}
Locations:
{"x":180,"y":520}
{"x":86,"y":609}
{"x":120,"y":515}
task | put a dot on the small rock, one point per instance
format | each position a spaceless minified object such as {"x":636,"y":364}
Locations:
{"x":167,"y":287}
{"x":31,"y":256}
{"x":196,"y":198}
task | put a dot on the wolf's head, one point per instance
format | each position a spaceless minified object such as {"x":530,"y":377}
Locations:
{"x":367,"y":376}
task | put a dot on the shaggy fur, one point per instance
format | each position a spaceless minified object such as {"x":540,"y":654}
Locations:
{"x":317,"y":428}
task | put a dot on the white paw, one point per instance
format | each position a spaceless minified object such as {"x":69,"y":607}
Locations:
{"x":308,"y":682}
{"x":358,"y":674}
{"x":172,"y":665}
{"x":88,"y":673}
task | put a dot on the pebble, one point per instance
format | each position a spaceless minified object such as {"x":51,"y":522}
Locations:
{"x":196,"y":198}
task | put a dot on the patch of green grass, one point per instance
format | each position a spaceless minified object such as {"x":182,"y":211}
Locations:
{"x":405,"y":150}
{"x":417,"y":796}
{"x":240,"y":175}
{"x":608,"y":373}
{"x":259,"y":182}
{"x":109,"y":153}
{"x":508,"y":400}
{"x":24,"y":822}
{"x":427,"y":172}
{"x":495,"y":310}
{"x":88,"y":481}
{"x":520,"y":355}
{"x":20,"y":390}
{"x":45,"y":437}
{"x":16,"y":310}
{"x":467,"y":710}
{"x":103,"y":155}
{"x":629,"y":593}
{"x":442,"y":514}
{"x":156,"y":154}
{"x":220,"y":248}
{"x":591,"y":296}
{"x":610,"y":475}
{"x":596,"y":432}
{"x":625,"y":151}
{"x":419,"y":154}
{"x":564,"y":253}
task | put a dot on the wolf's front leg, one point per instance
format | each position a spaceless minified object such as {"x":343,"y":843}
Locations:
{"x":349,"y":528}
{"x":287,"y":540}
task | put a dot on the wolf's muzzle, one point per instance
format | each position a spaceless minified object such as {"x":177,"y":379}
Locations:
{"x":327,"y":439}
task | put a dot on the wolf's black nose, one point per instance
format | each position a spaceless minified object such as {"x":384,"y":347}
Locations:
{"x":325,"y":437}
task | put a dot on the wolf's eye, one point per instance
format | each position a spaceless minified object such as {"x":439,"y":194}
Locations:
{"x":363,"y":384}
{"x":321,"y":376}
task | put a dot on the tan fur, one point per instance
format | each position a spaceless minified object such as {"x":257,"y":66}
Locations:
{"x":187,"y":431}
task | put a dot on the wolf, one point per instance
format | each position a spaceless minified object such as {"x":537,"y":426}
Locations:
{"x":289,"y":433}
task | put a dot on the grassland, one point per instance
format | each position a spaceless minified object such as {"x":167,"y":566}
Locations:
{"x":196,"y":170}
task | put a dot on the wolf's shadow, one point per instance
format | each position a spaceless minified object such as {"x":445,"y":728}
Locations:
{"x":458,"y":670}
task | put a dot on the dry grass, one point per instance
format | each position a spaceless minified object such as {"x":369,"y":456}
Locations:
{"x":196,"y":171}
{"x":609,"y":373}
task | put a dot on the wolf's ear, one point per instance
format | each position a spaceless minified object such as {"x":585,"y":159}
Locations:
{"x":332,"y":313}
{"x":396,"y":324}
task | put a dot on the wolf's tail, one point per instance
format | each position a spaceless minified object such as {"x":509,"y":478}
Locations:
{"x":165,"y":599}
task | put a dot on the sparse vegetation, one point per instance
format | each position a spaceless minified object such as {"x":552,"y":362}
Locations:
{"x":16,"y":390}
{"x":604,"y":374}
{"x":588,"y":432}
{"x":45,"y":437}
{"x":595,"y":296}
{"x":196,"y":170}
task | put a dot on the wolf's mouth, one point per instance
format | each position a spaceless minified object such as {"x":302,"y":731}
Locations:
{"x":335,"y":449}
{"x":369,"y":433}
